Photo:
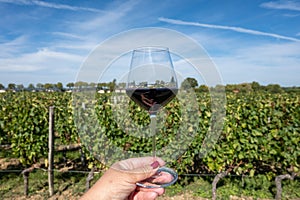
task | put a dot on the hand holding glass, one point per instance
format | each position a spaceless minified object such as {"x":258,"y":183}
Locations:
{"x":152,"y":84}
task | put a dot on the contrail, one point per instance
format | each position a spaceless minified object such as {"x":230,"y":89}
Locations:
{"x":282,"y":5}
{"x":50,"y":5}
{"x":232,"y":28}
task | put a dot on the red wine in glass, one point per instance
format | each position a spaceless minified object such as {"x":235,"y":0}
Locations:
{"x":151,"y":99}
{"x":152,"y":84}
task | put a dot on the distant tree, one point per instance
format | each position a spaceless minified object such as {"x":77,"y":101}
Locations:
{"x":31,"y":87}
{"x":59,"y":86}
{"x":11,"y":86}
{"x":274,"y":88}
{"x":255,"y":86}
{"x":231,"y":87}
{"x":100,"y":86}
{"x":159,"y":83}
{"x":172,"y":80}
{"x":218,"y":88}
{"x":20,"y":87}
{"x":48,"y":86}
{"x":143,"y":84}
{"x":70,"y":85}
{"x":93,"y":85}
{"x":112,"y":85}
{"x":81,"y":84}
{"x":39,"y":86}
{"x":293,"y":89}
{"x":1,"y":87}
{"x":85,"y":84}
{"x":245,"y":87}
{"x":203,"y":88}
{"x":189,"y":83}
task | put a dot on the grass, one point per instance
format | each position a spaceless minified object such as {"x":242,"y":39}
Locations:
{"x":68,"y":185}
{"x":72,"y":185}
{"x":252,"y":187}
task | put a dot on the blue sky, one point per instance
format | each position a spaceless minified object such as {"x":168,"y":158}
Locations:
{"x":46,"y":41}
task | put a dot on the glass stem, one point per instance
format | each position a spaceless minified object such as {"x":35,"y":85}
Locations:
{"x":153,"y":133}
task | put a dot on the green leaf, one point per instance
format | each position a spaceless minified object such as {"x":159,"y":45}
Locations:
{"x":252,"y":171}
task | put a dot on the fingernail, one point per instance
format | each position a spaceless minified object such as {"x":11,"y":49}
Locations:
{"x":155,"y":164}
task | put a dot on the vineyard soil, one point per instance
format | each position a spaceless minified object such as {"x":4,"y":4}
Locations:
{"x":70,"y":187}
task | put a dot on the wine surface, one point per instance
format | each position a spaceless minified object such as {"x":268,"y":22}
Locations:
{"x":151,"y":98}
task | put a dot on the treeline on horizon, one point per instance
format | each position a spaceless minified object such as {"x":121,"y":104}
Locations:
{"x":111,"y":86}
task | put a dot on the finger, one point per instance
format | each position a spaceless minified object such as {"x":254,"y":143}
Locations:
{"x":133,"y":163}
{"x":162,"y":177}
{"x":138,"y":169}
{"x":159,"y":191}
{"x":158,"y":179}
{"x":142,"y":195}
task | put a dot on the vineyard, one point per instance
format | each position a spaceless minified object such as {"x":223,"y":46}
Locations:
{"x":260,"y":135}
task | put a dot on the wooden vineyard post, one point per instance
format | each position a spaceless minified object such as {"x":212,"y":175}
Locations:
{"x":51,"y":151}
{"x":89,"y":178}
{"x":215,"y":182}
{"x":278,"y":180}
{"x":26,"y":173}
{"x":26,"y":178}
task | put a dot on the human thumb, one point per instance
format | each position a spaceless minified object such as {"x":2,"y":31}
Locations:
{"x":143,"y":172}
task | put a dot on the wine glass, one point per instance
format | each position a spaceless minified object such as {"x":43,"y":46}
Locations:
{"x":152,"y":84}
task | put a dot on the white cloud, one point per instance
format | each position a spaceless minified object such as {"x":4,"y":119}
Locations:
{"x":43,"y":59}
{"x":113,"y":17}
{"x":61,"y":58}
{"x":232,"y":28}
{"x":69,"y":35}
{"x":265,"y":63}
{"x":74,"y":46}
{"x":282,"y":5}
{"x":235,"y":70}
{"x":291,"y":15}
{"x":13,"y":47}
{"x":50,"y":5}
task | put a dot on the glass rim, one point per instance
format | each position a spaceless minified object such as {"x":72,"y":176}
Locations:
{"x":151,"y":49}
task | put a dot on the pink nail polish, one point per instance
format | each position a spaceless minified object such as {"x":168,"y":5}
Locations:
{"x":155,"y":164}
